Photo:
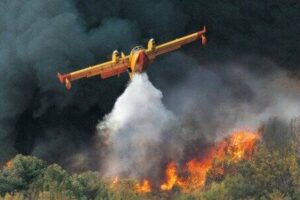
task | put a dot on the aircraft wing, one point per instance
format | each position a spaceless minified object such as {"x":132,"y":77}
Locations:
{"x":175,"y":44}
{"x":104,"y":70}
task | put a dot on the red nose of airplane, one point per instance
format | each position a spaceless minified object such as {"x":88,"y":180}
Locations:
{"x":142,"y":62}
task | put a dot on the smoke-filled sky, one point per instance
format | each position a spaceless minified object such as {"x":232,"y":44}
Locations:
{"x":251,"y":47}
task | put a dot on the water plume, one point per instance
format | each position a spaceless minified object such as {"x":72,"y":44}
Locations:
{"x":135,"y":129}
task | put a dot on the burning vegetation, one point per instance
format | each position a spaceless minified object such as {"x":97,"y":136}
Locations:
{"x":143,"y":187}
{"x":246,"y":164}
{"x":192,"y":174}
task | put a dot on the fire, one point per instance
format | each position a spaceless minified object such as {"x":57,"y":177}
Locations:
{"x":241,"y":144}
{"x":196,"y":174}
{"x":143,"y":187}
{"x":115,"y":181}
{"x":9,"y":164}
{"x":238,"y":146}
{"x":171,"y":176}
{"x":192,"y":174}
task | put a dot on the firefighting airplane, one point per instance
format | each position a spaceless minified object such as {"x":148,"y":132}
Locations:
{"x":135,"y":62}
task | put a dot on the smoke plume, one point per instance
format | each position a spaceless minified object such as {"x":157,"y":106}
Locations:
{"x":213,"y":99}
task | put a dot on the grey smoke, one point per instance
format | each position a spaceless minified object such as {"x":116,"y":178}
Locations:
{"x":143,"y":135}
{"x":213,"y":99}
{"x":39,"y":39}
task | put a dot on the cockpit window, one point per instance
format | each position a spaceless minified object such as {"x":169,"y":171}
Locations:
{"x":137,"y":48}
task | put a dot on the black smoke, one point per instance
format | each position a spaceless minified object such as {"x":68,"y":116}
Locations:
{"x":39,"y":38}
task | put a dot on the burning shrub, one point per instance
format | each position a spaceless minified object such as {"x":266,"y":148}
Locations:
{"x":192,"y":175}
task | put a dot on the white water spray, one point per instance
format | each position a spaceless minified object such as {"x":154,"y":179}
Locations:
{"x":135,"y":128}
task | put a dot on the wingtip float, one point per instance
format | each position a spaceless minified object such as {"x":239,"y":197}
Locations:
{"x":135,"y":62}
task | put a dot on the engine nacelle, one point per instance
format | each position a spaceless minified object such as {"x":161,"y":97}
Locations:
{"x":115,"y":56}
{"x":151,"y":45}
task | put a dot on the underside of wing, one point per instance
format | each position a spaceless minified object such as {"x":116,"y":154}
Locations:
{"x":114,"y":70}
{"x":104,"y":70}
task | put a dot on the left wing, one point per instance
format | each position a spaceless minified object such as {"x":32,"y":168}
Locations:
{"x":114,"y":67}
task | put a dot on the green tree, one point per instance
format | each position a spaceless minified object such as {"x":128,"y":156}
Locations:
{"x":269,"y":171}
{"x":217,"y":191}
{"x":22,"y":171}
{"x":88,"y":185}
{"x":54,"y":180}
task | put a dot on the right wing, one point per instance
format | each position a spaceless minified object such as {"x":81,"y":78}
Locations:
{"x":105,"y":70}
{"x":153,"y":51}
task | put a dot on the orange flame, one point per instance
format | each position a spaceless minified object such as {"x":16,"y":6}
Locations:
{"x":115,"y":181}
{"x":171,"y":176}
{"x":240,"y":145}
{"x":8,"y":164}
{"x":196,"y":174}
{"x":143,"y":187}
